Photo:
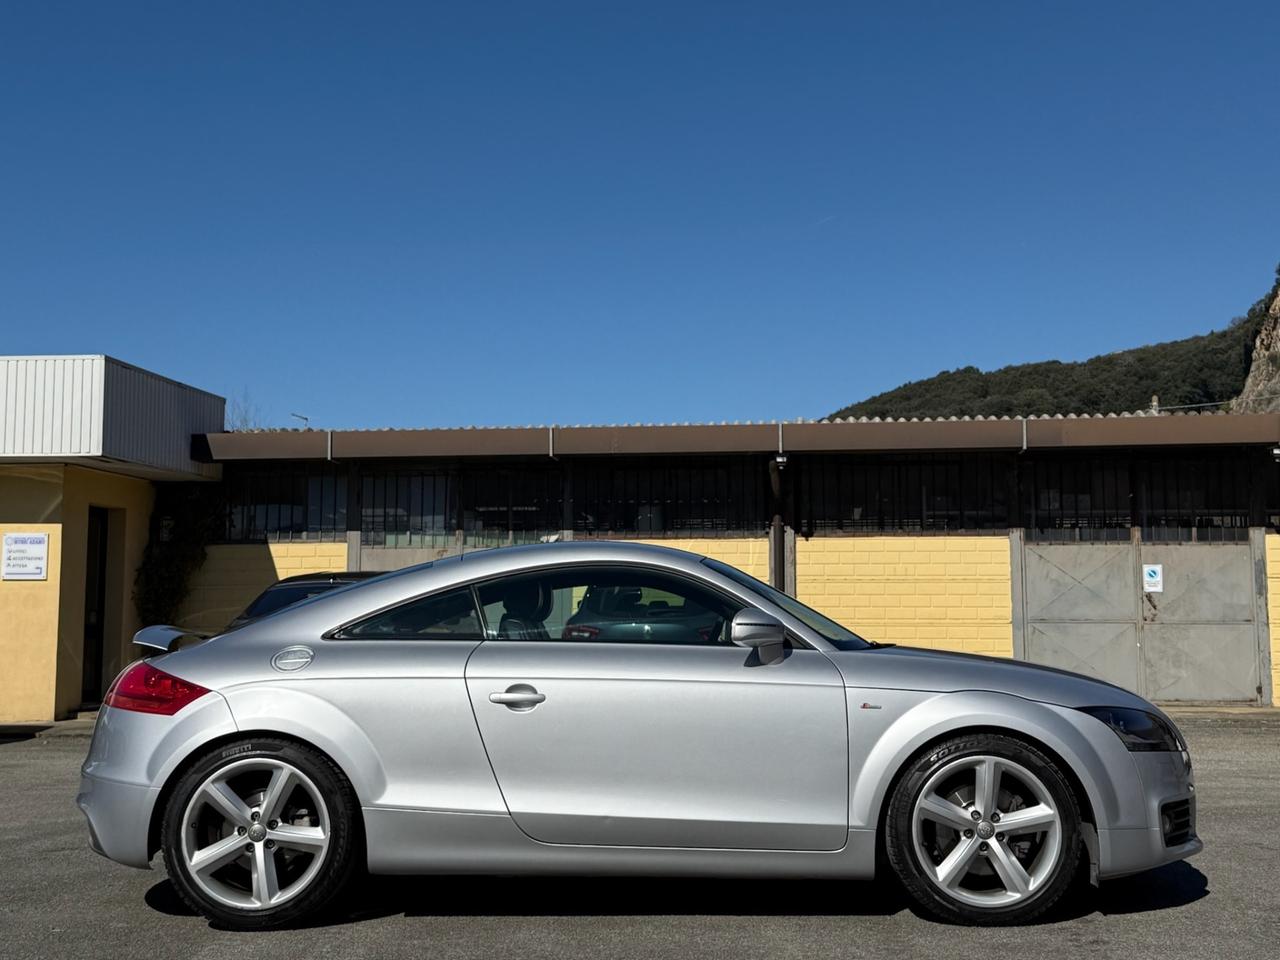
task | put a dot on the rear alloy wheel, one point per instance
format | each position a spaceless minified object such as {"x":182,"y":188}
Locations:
{"x":984,"y":829}
{"x":260,"y":834}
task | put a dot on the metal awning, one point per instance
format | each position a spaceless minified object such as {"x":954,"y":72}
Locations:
{"x":861,"y":436}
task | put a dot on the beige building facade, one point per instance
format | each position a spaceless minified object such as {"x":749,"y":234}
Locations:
{"x":83,"y":441}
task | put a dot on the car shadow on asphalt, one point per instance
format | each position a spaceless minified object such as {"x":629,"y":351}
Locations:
{"x":375,"y":898}
{"x":1173,"y":885}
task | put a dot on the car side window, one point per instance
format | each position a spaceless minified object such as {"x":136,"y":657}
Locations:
{"x":443,"y":616}
{"x":605,"y":604}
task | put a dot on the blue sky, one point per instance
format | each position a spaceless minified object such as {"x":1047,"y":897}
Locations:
{"x":420,"y":215}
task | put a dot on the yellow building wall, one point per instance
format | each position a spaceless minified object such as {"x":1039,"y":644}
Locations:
{"x":233,"y":574}
{"x":748,"y":554}
{"x":1273,"y":611}
{"x":30,"y":502}
{"x":28,"y":634}
{"x":941,"y":592}
{"x":129,"y":501}
{"x":42,"y":621}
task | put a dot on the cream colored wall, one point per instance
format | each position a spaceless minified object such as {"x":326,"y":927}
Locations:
{"x":233,"y":574}
{"x":30,"y":502}
{"x":29,"y":632}
{"x":42,"y":622}
{"x":130,"y":500}
{"x":30,"y":493}
{"x":942,"y":592}
{"x":1273,"y":611}
{"x":748,"y":554}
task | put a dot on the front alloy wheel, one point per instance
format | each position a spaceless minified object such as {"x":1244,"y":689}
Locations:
{"x":984,"y":829}
{"x":260,"y":834}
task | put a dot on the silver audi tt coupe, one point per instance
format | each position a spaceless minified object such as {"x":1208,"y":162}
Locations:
{"x":605,"y":708}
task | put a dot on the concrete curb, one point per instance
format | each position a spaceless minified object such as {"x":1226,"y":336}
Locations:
{"x":1257,"y":716}
{"x":78,"y":728}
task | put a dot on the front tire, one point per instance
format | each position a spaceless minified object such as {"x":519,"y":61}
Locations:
{"x":984,"y":829}
{"x":261,"y":833}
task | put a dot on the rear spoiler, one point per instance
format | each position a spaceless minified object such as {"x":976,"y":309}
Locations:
{"x":163,"y":638}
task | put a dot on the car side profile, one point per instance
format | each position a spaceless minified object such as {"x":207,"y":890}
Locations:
{"x":606,"y":708}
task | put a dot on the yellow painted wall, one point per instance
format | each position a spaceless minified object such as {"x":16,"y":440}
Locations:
{"x":129,"y":499}
{"x":748,"y":554}
{"x":233,"y":574}
{"x":42,"y":622}
{"x":30,"y":493}
{"x":1273,"y":611}
{"x":942,"y":592}
{"x":28,"y":633}
{"x":30,"y":502}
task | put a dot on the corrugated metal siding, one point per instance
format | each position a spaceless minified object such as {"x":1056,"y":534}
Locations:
{"x":51,"y":406}
{"x":94,"y":406}
{"x":149,"y":419}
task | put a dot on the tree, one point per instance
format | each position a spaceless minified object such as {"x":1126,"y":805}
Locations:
{"x":1199,"y":371}
{"x":242,"y":413}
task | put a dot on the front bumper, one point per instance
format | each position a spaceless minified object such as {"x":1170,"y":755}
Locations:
{"x":1165,"y":782}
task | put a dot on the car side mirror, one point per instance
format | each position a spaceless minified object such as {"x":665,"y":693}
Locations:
{"x":760,"y":631}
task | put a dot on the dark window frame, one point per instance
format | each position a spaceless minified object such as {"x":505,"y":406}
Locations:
{"x":342,"y":632}
{"x":908,"y":493}
{"x":701,"y":496}
{"x":1173,"y":494}
{"x":296,"y":503}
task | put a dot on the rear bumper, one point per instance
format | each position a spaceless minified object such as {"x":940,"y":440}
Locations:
{"x":119,"y":816}
{"x":130,"y":758}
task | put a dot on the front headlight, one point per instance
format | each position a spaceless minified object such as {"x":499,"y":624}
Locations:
{"x":1140,"y":731}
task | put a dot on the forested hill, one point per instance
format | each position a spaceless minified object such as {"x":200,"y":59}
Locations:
{"x":1204,"y":369}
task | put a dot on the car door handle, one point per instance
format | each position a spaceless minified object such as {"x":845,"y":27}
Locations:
{"x":519,"y":696}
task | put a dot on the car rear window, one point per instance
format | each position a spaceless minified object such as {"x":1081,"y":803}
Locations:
{"x":279,"y":597}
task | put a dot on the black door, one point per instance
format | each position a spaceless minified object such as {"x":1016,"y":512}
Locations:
{"x":95,"y":606}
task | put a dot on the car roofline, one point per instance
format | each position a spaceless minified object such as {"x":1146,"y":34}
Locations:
{"x":330,"y":576}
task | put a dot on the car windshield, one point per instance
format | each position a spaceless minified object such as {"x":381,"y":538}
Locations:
{"x":839,"y":637}
{"x":282,"y":595}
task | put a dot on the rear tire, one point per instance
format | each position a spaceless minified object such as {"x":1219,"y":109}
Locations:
{"x":261,"y":833}
{"x":984,"y":829}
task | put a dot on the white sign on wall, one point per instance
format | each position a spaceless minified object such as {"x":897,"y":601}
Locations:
{"x":26,"y":556}
{"x":1153,"y":578}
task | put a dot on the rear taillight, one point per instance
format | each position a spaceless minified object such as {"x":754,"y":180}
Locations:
{"x":145,"y":689}
{"x":577,"y":631}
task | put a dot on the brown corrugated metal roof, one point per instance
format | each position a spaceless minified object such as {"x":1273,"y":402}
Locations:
{"x":954,"y":433}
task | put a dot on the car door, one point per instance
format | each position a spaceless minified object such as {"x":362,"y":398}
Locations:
{"x":397,"y":677}
{"x":668,"y":737}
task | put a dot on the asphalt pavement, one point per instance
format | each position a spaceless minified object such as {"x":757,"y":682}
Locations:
{"x":58,"y":899}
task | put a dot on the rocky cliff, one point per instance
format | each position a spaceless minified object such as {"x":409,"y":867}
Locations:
{"x":1261,"y":392}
